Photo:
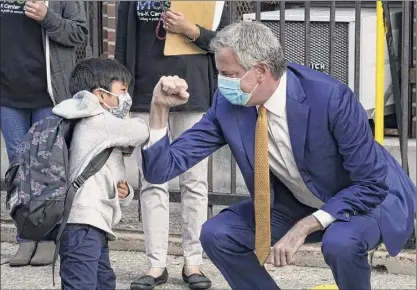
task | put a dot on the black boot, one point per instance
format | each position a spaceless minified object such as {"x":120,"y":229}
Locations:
{"x":23,"y":255}
{"x":44,"y":254}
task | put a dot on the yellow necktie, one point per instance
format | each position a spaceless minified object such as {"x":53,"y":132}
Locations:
{"x":262,"y":189}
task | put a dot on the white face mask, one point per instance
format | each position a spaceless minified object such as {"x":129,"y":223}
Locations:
{"x":125,"y":102}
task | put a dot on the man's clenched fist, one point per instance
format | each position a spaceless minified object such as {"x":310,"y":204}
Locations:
{"x":170,"y":92}
{"x":36,"y":10}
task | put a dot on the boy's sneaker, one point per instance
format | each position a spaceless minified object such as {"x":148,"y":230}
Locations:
{"x":44,"y":254}
{"x":23,"y":255}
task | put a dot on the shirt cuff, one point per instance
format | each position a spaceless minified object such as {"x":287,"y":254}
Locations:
{"x":155,"y":135}
{"x":324,"y":218}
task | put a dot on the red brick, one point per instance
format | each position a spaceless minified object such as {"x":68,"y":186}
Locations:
{"x":111,"y":34}
{"x":111,"y":48}
{"x":111,"y":10}
{"x":111,"y":22}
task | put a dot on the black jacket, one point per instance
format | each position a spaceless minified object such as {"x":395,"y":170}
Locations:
{"x":198,"y":70}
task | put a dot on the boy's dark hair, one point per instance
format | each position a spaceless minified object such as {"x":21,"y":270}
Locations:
{"x":94,"y":73}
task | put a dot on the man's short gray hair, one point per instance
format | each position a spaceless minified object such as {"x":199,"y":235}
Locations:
{"x":252,"y":42}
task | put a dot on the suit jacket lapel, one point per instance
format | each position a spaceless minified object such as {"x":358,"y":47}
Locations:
{"x":297,"y":116}
{"x":246,"y":118}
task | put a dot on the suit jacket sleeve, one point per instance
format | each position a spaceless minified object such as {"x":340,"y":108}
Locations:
{"x":207,"y":35}
{"x":362,"y":157}
{"x":121,"y":33}
{"x":67,"y":27}
{"x":164,"y":161}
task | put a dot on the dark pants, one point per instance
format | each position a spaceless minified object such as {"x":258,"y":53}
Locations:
{"x":15,"y":123}
{"x":229,"y":240}
{"x":84,"y":258}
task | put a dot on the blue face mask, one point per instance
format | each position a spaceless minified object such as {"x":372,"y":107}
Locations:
{"x":230,"y":89}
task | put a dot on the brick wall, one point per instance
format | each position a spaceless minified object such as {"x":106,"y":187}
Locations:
{"x":109,"y":28}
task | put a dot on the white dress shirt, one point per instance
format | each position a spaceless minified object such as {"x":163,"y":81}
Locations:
{"x":281,"y":157}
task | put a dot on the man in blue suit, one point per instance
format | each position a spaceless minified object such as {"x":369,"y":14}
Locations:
{"x":329,"y":180}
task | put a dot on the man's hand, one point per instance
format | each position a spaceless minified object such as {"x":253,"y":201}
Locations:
{"x":122,"y":189}
{"x":175,"y":22}
{"x":36,"y":10}
{"x":170,"y":92}
{"x":284,"y":250}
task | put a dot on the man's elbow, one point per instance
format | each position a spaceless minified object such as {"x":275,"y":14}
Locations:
{"x":155,"y":178}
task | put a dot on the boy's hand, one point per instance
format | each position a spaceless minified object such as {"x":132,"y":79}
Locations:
{"x":122,"y":189}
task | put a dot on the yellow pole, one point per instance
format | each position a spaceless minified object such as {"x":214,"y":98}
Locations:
{"x":379,"y":79}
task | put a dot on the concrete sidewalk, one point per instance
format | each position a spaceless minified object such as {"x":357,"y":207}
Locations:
{"x":131,"y":238}
{"x":129,"y":265}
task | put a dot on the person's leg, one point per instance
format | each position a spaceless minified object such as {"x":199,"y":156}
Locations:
{"x":345,"y":247}
{"x":45,"y":250}
{"x":229,"y":240}
{"x":106,"y":279}
{"x":194,"y":194}
{"x":194,"y":202}
{"x":39,"y":114}
{"x":154,"y":202}
{"x":14,"y":125}
{"x":80,"y":252}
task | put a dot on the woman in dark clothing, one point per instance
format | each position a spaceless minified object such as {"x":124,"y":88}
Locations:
{"x":140,"y":41}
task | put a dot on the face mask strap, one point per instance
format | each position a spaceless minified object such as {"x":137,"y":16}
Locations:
{"x":114,"y":95}
{"x":246,"y":74}
{"x":257,"y":84}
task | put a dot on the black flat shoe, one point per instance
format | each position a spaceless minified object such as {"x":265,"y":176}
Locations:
{"x":148,"y":282}
{"x":196,"y":281}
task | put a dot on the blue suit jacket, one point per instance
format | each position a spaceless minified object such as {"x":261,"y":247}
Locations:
{"x":333,"y":147}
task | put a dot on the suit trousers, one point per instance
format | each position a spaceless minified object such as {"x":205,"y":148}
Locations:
{"x":229,"y":241}
{"x":155,"y":202}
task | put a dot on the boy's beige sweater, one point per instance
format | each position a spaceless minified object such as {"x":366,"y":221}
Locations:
{"x":96,"y":202}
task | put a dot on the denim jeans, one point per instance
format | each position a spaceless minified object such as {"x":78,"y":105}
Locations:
{"x":15,"y":123}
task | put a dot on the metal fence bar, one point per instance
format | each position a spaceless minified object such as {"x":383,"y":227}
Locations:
{"x":233,"y":180}
{"x":210,"y":184}
{"x":282,"y":24}
{"x":358,"y":6}
{"x":307,"y":33}
{"x":405,"y":65}
{"x":97,"y":39}
{"x":332,"y":35}
{"x":394,"y":68}
{"x":88,"y":49}
{"x":231,"y":11}
{"x":258,"y":10}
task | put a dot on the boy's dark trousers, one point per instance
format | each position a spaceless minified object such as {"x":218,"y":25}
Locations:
{"x":84,"y":259}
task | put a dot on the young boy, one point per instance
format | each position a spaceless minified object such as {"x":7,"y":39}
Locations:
{"x":102,"y":103}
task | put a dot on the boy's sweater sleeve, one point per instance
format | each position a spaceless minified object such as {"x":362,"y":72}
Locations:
{"x":126,"y":132}
{"x":128,"y":199}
